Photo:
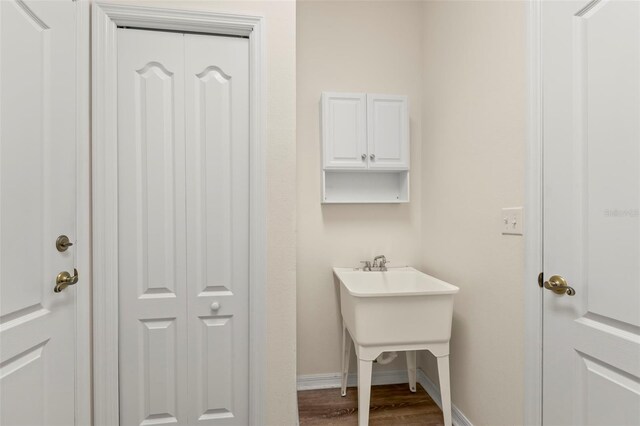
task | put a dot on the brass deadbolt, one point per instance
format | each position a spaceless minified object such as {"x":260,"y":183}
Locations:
{"x":63,"y":243}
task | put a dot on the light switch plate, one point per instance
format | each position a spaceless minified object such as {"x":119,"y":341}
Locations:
{"x":512,"y":221}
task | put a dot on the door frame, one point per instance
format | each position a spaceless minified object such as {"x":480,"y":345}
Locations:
{"x":107,"y":17}
{"x":83,"y":360}
{"x":533,"y":297}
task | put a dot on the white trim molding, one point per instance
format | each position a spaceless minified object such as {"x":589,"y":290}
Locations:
{"x":533,"y":307}
{"x":107,"y":17}
{"x":83,"y":215}
{"x":392,"y":377}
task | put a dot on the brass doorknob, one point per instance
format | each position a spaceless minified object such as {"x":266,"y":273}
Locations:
{"x":65,"y":279}
{"x":559,"y":285}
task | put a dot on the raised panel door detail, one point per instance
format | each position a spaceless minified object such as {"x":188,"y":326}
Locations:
{"x":22,"y":379}
{"x":213,"y":181}
{"x":388,"y":132}
{"x":609,"y":138}
{"x":37,"y":203}
{"x":155,"y":181}
{"x":24,"y":256}
{"x":216,"y":367}
{"x":609,"y":387}
{"x":344,"y":130}
{"x":158,"y":373}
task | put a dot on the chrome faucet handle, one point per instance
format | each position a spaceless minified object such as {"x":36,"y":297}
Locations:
{"x":367,"y":265}
{"x":382,"y":259}
{"x":380,"y":265}
{"x":383,"y":264}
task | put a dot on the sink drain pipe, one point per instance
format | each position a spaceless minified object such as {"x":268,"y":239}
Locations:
{"x":386,"y":357}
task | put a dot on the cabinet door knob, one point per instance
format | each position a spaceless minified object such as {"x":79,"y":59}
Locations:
{"x":364,"y":156}
{"x":215,"y":306}
{"x":372,"y":156}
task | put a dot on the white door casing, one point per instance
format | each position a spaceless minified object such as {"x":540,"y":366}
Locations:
{"x":591,"y":115}
{"x":106,"y":19}
{"x":183,"y":164}
{"x":44,"y":352}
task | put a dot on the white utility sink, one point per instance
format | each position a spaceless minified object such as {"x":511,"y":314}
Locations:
{"x":401,"y":309}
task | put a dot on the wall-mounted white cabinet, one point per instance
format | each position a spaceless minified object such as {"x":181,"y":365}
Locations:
{"x":365,"y":148}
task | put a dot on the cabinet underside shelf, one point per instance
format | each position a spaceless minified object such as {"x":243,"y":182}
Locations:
{"x":343,"y":187}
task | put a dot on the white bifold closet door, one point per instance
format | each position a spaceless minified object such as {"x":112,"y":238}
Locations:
{"x":183,"y":219}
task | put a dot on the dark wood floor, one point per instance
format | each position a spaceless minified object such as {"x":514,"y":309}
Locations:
{"x":390,"y":405}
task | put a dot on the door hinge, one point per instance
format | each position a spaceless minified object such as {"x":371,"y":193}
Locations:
{"x":541,"y":279}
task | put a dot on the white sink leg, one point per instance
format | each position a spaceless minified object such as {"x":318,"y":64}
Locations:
{"x":364,"y":391}
{"x":445,"y":388}
{"x":411,"y":369}
{"x":346,"y":356}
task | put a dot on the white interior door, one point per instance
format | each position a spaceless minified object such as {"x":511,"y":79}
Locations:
{"x":591,"y":116}
{"x":37,"y":204}
{"x":183,"y":169}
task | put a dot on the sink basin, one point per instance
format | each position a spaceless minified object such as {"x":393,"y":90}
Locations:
{"x":397,"y":307}
{"x":401,"y":309}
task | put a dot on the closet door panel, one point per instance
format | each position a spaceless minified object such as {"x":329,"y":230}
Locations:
{"x":151,"y":226}
{"x":217,"y":180}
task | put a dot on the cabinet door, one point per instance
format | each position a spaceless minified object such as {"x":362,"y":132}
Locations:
{"x":388,"y":132}
{"x":344,"y":131}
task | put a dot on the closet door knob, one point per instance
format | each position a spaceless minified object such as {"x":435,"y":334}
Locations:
{"x":372,"y":156}
{"x":215,"y":306}
{"x":364,"y":156}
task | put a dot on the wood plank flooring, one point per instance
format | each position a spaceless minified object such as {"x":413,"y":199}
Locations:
{"x":390,"y":405}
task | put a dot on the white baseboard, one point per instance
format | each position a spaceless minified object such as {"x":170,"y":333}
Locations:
{"x":332,"y":380}
{"x":457,"y":417}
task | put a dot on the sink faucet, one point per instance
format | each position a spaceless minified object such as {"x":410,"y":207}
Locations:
{"x":376,"y":266}
{"x":382,"y":266}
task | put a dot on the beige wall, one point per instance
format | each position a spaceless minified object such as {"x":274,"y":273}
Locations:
{"x":474,"y":113}
{"x":356,"y":47}
{"x":463,"y":65}
{"x":280,"y":17}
